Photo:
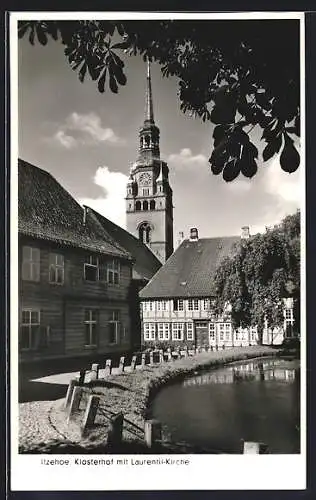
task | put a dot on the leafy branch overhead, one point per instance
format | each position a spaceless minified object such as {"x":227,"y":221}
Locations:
{"x":238,"y":75}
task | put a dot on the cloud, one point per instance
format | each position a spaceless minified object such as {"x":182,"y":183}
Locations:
{"x":239,"y":186}
{"x":112,"y":205}
{"x":84,"y":129}
{"x":186,"y":159}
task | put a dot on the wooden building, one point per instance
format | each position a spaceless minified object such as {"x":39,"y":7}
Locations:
{"x":178,"y":303}
{"x":75,"y":279}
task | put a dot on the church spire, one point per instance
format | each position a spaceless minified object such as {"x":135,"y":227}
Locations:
{"x":149,"y":110}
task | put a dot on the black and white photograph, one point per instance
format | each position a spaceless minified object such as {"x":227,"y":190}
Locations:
{"x":157,"y":265}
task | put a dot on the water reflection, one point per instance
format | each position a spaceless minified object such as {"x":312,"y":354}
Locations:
{"x":257,"y":401}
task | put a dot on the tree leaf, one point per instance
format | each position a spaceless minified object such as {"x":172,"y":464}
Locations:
{"x":289,"y":158}
{"x":41,"y":35}
{"x":113,"y":84}
{"x":22,"y":28}
{"x":101,"y":81}
{"x":272,"y":148}
{"x":82,"y":72}
{"x":231,"y":170}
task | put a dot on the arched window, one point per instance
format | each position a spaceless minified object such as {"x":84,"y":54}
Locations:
{"x":138,"y":206}
{"x":145,"y":205}
{"x":147,"y":141}
{"x":152,"y":205}
{"x":145,"y":232}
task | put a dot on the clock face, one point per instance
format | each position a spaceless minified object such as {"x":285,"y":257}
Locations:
{"x":145,"y":179}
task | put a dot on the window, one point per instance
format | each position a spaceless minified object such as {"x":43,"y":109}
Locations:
{"x":30,"y":329}
{"x":152,"y":204}
{"x":163,"y":331}
{"x":56,"y":268}
{"x":91,"y":268}
{"x":211,"y":329}
{"x":221,"y":331}
{"x":90,"y":323}
{"x":190,"y":331}
{"x":288,"y":321}
{"x":206,"y":304}
{"x":113,"y":271}
{"x":149,"y":331}
{"x":144,"y":232}
{"x":228,"y":331}
{"x":178,"y":304}
{"x":114,"y":327}
{"x":148,"y":306}
{"x":145,"y":203}
{"x":193,"y":304}
{"x":253,"y":333}
{"x":177,"y":331}
{"x":138,"y":206}
{"x":31,"y":264}
{"x":161,"y":305}
{"x":145,"y":193}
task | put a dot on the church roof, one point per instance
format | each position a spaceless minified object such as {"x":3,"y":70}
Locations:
{"x":190,"y":270}
{"x":146,"y":263}
{"x":48,"y":212}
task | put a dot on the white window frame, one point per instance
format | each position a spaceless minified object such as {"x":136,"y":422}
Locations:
{"x":163,"y":331}
{"x":115,"y":321}
{"x":149,"y":331}
{"x":89,"y":264}
{"x":56,"y":266}
{"x":179,"y":305}
{"x":90,"y":322}
{"x":190,"y":330}
{"x":221,"y":332}
{"x":177,"y":331}
{"x":193,"y":304}
{"x":288,"y":321}
{"x":29,"y":324}
{"x":145,"y":191}
{"x":212,"y":331}
{"x":113,"y":269}
{"x":253,"y":333}
{"x":161,"y":305}
{"x":31,"y":263}
{"x":206,"y":304}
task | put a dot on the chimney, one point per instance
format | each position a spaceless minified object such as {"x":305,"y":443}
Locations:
{"x":85,"y":210}
{"x":245,"y":233}
{"x":194,"y":235}
{"x":181,"y":237}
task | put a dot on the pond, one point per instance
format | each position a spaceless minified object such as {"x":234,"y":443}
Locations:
{"x":255,"y":400}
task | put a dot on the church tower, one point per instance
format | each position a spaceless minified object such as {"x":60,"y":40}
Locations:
{"x":149,"y":209}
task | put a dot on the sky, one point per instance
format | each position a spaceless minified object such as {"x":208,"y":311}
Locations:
{"x":88,"y":142}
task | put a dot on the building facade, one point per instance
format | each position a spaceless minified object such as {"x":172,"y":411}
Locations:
{"x":149,"y":208}
{"x":74,"y":280}
{"x":178,"y":303}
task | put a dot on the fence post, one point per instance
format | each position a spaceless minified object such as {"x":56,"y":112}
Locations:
{"x":115,"y":430}
{"x":94,"y":371}
{"x":152,"y":432}
{"x":253,"y":448}
{"x":161,"y":358}
{"x":108,"y":367}
{"x":121,"y":365}
{"x":90,"y":413}
{"x":169,"y":354}
{"x":143,"y":360}
{"x":75,"y":401}
{"x":72,"y":384}
{"x":133,"y":363}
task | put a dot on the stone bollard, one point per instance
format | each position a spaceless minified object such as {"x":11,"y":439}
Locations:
{"x":169,"y":354}
{"x":151,"y":357}
{"x":94,"y":371}
{"x":143,"y":359}
{"x":72,"y":384}
{"x":253,"y":448}
{"x":82,"y":375}
{"x":152,"y":432}
{"x":90,"y":413}
{"x":161,"y":358}
{"x":133,"y":363}
{"x":75,"y":401}
{"x":108,"y":367}
{"x":115,"y":430}
{"x":121,"y":364}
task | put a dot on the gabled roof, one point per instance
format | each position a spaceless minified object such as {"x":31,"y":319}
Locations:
{"x":190,"y":270}
{"x":146,"y":263}
{"x":48,"y":212}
